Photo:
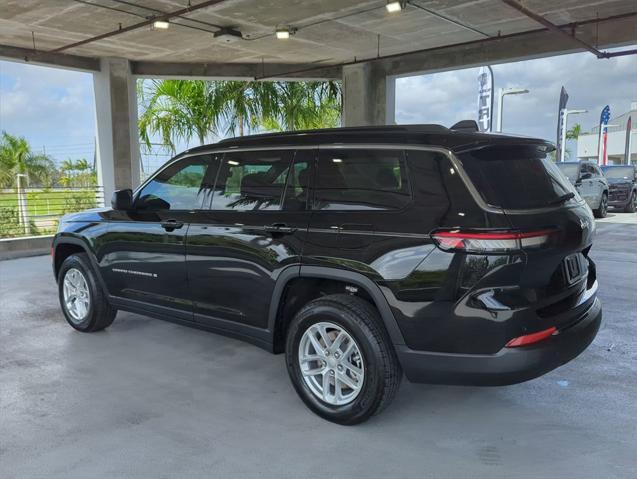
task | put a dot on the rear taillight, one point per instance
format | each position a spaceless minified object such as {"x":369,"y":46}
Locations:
{"x":490,"y":241}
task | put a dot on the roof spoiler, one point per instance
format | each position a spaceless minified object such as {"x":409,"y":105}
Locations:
{"x":465,"y":125}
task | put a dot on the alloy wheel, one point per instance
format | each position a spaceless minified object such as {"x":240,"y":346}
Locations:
{"x":76,"y":295}
{"x":331,"y":363}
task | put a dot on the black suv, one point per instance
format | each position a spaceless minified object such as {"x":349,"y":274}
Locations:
{"x":361,"y":253}
{"x":622,"y":181}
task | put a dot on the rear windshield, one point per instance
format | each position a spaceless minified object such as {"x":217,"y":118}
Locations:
{"x":516,"y":177}
{"x":619,"y":172}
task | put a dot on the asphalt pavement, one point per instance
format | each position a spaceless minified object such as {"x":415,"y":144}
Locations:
{"x":151,"y":399}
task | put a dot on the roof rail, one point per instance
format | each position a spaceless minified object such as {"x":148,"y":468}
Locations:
{"x":416,"y":128}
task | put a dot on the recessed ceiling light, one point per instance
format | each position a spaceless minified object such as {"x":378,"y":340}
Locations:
{"x":393,"y":7}
{"x":161,"y":24}
{"x":283,"y":33}
{"x":337,"y":160}
{"x":233,"y":163}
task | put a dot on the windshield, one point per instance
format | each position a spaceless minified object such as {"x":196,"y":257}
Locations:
{"x":516,"y":177}
{"x":570,"y":170}
{"x":619,"y":172}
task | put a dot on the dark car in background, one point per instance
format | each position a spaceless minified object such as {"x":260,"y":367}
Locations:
{"x":453,"y":257}
{"x":622,"y":183}
{"x":590,"y":182}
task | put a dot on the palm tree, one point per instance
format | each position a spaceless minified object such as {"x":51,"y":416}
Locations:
{"x":16,"y":158}
{"x":574,"y":132}
{"x":179,"y":110}
{"x":305,"y":105}
{"x":183,"y":109}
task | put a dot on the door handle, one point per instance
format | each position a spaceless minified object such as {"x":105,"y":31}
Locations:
{"x":279,"y":228}
{"x":171,"y":225}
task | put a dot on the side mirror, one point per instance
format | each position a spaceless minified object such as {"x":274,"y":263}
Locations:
{"x":585,"y":176}
{"x":122,"y":200}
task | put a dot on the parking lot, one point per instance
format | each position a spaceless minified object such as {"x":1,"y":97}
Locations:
{"x":147,"y":398}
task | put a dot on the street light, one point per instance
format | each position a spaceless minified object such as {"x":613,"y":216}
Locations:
{"x":565,"y":114}
{"x":501,"y":93}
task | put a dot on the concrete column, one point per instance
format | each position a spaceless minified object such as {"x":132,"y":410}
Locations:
{"x":368,"y":96}
{"x":118,"y":157}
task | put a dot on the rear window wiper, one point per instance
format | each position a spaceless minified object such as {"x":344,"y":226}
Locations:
{"x":561,"y":199}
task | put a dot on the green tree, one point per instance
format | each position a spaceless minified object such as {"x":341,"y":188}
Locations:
{"x":16,"y":158}
{"x":178,"y":110}
{"x":574,"y":132}
{"x":183,"y":109}
{"x":305,"y":106}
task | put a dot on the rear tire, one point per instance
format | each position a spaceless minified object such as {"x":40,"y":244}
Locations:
{"x":602,"y":211}
{"x":632,"y":203}
{"x":83,"y":301}
{"x":364,"y":363}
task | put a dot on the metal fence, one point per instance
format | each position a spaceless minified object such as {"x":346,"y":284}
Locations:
{"x":37,"y":211}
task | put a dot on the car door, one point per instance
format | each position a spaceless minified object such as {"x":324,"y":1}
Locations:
{"x":363,"y":213}
{"x":254,"y":230}
{"x":145,"y":247}
{"x":598,"y":184}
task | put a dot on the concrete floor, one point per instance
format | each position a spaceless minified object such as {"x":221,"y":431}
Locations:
{"x":151,"y":399}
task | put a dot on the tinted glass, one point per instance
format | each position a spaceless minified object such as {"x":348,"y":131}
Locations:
{"x":251,"y":180}
{"x":298,"y":180}
{"x":619,"y":172}
{"x":570,"y":170}
{"x":515,"y":177}
{"x":360,"y":179}
{"x":180,"y":186}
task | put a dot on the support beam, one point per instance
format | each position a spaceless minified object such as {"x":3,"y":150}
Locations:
{"x":605,"y":33}
{"x":239,"y":71}
{"x":368,"y":96}
{"x":118,"y":158}
{"x":36,"y":57}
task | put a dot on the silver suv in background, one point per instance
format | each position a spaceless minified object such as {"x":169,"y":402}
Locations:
{"x":590,"y":182}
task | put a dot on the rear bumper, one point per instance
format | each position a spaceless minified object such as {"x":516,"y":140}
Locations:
{"x":509,"y":365}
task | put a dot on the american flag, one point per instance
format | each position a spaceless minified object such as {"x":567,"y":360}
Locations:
{"x":603,"y":121}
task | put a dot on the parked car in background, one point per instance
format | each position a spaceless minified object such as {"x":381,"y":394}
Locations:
{"x":590,"y":182}
{"x":360,"y":253}
{"x":622,"y":182}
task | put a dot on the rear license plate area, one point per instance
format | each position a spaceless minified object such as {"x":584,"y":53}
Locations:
{"x":575,"y":268}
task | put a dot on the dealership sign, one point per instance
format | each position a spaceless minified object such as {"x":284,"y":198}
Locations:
{"x":485,"y":98}
{"x":560,"y":120}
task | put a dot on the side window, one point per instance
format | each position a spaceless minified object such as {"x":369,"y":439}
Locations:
{"x":180,"y":186}
{"x":597,"y":171}
{"x":361,"y":179}
{"x":252,"y":180}
{"x":587,"y":169}
{"x":298,"y":181}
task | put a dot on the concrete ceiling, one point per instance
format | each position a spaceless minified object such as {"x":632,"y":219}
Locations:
{"x":330,"y":32}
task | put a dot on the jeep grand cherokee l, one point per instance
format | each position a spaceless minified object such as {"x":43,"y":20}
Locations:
{"x":361,"y":253}
{"x":622,"y":181}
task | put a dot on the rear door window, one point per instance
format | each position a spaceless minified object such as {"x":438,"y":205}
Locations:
{"x":516,"y":177}
{"x":252,"y":180}
{"x":361,"y":179}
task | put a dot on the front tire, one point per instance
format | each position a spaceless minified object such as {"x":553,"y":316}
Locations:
{"x":632,"y":203}
{"x":602,"y":211}
{"x":83,"y":302}
{"x":340,"y":359}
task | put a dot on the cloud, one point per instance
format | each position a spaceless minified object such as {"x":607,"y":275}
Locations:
{"x":591,"y":83}
{"x":50,"y":107}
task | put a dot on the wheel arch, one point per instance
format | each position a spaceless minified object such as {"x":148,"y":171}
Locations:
{"x":65,"y":246}
{"x":281,"y":312}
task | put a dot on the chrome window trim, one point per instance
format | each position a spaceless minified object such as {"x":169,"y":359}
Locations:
{"x":384,"y":146}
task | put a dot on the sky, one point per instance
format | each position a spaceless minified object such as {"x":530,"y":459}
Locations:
{"x":54,"y":108}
